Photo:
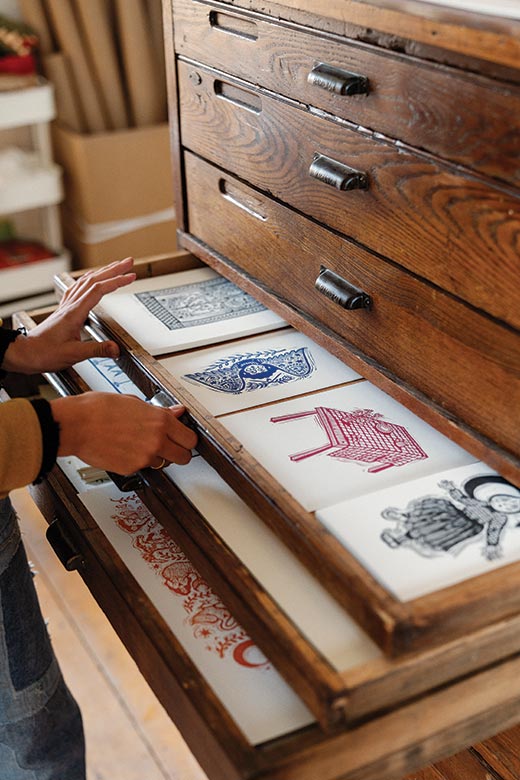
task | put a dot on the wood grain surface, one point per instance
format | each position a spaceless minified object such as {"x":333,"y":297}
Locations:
{"x":446,"y":227}
{"x":388,"y":746}
{"x":444,"y":34}
{"x":453,"y":114}
{"x":421,"y":334}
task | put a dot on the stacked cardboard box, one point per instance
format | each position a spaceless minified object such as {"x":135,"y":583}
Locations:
{"x":105,"y":60}
{"x":119,"y":198}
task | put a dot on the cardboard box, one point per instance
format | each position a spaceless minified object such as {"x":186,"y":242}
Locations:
{"x":153,"y":239}
{"x":115,"y":175}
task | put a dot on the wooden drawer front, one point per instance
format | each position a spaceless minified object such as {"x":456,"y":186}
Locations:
{"x":464,"y":361}
{"x":386,"y":746}
{"x":463,"y":117}
{"x":215,"y":740}
{"x":448,"y":228}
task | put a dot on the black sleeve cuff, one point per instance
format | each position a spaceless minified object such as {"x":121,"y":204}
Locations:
{"x":50,"y":436}
{"x":6,"y":337}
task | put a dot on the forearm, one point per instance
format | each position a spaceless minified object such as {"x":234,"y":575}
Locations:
{"x":21,"y":447}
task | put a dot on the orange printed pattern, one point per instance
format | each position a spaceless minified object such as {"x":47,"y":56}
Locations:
{"x":208,"y":617}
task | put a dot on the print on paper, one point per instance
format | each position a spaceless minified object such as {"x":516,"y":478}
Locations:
{"x":199,"y":303}
{"x":255,"y":370}
{"x":361,"y":435}
{"x":433,"y":525}
{"x":109,"y":370}
{"x":208,"y":617}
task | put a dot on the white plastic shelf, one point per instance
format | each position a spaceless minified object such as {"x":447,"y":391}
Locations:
{"x":29,"y":106}
{"x":27,"y":304}
{"x":41,"y":187}
{"x":21,"y":281}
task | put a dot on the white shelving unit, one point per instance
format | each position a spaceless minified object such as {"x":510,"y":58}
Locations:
{"x":39,"y":186}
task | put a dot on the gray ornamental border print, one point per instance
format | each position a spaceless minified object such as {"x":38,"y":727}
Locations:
{"x":199,"y":303}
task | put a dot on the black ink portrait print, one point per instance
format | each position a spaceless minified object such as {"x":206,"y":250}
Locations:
{"x":255,"y":370}
{"x":199,"y":303}
{"x":477,"y":511}
{"x":362,"y":435}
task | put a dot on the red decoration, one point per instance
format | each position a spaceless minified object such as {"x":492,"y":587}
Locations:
{"x":209,"y":617}
{"x":361,"y":435}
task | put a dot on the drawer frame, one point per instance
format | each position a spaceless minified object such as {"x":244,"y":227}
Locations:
{"x":407,"y":630}
{"x":389,"y":745}
{"x":458,"y":358}
{"x":376,"y":720}
{"x":285,"y":53}
{"x":427,"y":215}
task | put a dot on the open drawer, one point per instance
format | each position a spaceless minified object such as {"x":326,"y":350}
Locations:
{"x":389,"y":744}
{"x":435,"y":639}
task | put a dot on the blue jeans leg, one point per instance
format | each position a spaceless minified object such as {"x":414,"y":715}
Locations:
{"x":41,"y":732}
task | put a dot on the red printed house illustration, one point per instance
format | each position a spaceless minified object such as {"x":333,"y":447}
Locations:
{"x":360,"y":435}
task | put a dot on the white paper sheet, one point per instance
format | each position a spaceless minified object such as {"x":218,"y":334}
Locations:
{"x":342,"y":443}
{"x":186,"y":309}
{"x":433,"y":532}
{"x":105,"y":375}
{"x":255,"y":695}
{"x":258,"y":370}
{"x":327,"y":626}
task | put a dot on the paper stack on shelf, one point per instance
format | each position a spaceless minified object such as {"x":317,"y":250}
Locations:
{"x":32,"y":105}
{"x":31,"y":250}
{"x":105,"y":59}
{"x":27,"y":182}
{"x":27,"y":268}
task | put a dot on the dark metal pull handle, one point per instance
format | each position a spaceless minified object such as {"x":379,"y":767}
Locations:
{"x":60,"y":542}
{"x":337,"y":174}
{"x":340,"y":291}
{"x":337,"y":80}
{"x":127,"y":483}
{"x":130,"y":483}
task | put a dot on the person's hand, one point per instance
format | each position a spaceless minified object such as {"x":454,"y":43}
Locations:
{"x":121,"y":433}
{"x":56,"y":343}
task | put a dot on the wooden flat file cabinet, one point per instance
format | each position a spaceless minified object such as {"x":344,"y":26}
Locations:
{"x":355,"y":166}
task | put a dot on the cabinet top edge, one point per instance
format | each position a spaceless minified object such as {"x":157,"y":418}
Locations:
{"x":465,"y":30}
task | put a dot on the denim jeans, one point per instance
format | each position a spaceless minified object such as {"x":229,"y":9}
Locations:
{"x":41,"y":732}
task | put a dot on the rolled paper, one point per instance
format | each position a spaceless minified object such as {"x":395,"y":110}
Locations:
{"x":34,"y":14}
{"x":97,"y":29}
{"x":57,"y":70}
{"x":147,"y":99}
{"x":68,"y":34}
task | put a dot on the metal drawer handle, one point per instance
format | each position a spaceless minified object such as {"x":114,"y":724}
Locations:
{"x":132,"y":483}
{"x":340,"y":291}
{"x":234,"y":25}
{"x":60,"y":542}
{"x":341,"y":82}
{"x":127,"y":483}
{"x":245,"y":98}
{"x":337,"y":174}
{"x":243,"y":200}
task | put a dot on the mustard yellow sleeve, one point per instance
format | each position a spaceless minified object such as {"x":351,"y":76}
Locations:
{"x":21,"y":446}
